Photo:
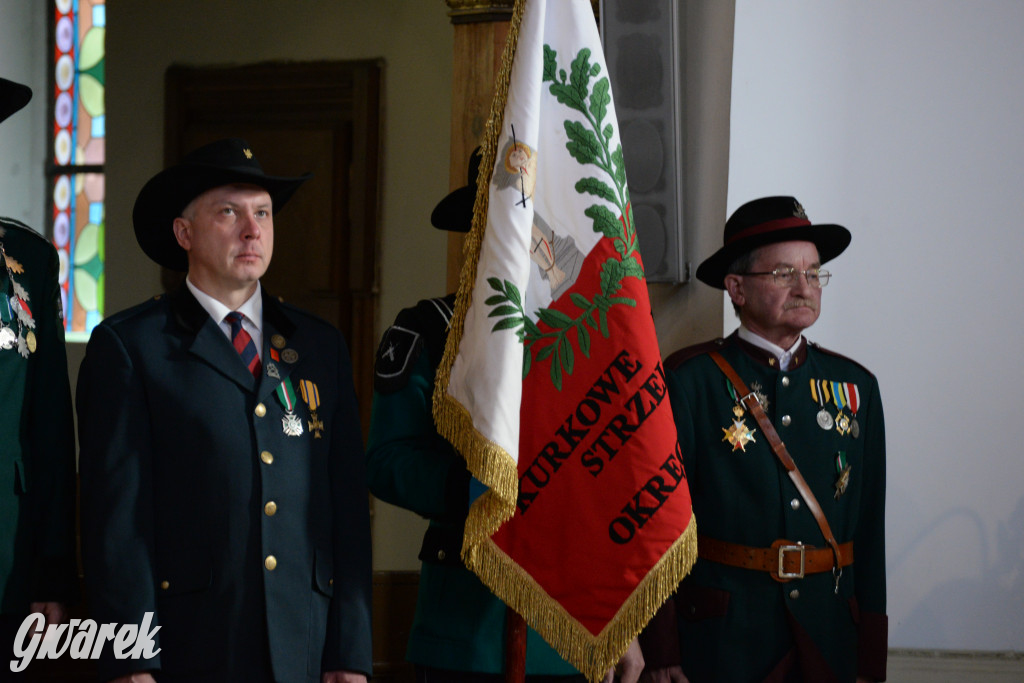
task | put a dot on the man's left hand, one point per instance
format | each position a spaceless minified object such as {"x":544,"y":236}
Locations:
{"x":629,"y":667}
{"x":342,"y":677}
{"x":54,"y":612}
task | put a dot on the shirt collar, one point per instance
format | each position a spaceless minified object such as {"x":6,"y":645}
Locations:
{"x":785,"y":357}
{"x":252,"y":309}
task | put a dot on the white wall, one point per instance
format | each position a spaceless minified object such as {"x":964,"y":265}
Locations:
{"x":23,"y":136}
{"x":904,"y":121}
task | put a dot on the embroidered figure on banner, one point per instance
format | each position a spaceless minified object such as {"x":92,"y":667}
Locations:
{"x":589,"y":143}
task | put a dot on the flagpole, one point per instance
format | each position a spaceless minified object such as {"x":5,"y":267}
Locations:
{"x":515,"y":647}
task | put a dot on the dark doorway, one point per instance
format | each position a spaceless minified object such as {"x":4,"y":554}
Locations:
{"x":322,"y":117}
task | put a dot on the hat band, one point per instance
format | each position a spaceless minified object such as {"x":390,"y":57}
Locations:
{"x":770,"y":226}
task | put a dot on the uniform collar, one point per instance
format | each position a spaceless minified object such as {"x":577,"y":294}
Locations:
{"x":252,"y":309}
{"x":769,"y":354}
{"x":191,"y":315}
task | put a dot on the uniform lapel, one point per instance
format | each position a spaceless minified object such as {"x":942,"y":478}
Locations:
{"x":209,"y":343}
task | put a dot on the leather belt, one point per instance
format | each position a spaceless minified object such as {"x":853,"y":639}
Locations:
{"x":784,"y":560}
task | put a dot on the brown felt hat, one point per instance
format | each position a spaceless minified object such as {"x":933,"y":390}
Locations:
{"x":766,"y":221}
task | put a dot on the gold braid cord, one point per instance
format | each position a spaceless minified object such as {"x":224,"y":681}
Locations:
{"x":496,"y":469}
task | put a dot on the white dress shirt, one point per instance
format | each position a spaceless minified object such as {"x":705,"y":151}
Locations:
{"x":251,"y":310}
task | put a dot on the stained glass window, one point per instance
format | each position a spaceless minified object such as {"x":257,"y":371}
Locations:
{"x":77,"y":172}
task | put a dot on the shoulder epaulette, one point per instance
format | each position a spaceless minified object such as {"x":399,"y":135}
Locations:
{"x":822,"y":349}
{"x":35,"y":239}
{"x":682,"y":355}
{"x":424,"y":325}
{"x":21,"y":227}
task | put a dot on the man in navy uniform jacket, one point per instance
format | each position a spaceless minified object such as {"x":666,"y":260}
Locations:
{"x":819,"y":619}
{"x":223,"y":484}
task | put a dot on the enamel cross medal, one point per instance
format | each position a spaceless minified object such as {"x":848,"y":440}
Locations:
{"x":290,"y":423}
{"x":738,"y":435}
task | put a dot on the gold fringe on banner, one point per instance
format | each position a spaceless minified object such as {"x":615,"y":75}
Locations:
{"x":488,"y":461}
{"x":496,"y":469}
{"x":592,"y":655}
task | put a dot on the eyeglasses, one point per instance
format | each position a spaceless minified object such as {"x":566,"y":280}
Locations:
{"x":787,"y":277}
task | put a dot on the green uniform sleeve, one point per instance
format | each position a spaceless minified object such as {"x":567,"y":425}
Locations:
{"x":408,"y":463}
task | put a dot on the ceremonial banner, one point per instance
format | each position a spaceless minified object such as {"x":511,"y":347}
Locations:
{"x":551,"y":385}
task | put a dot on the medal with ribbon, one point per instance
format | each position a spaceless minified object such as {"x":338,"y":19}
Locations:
{"x":737,"y":409}
{"x":819,"y":392}
{"x":290,"y":423}
{"x":738,"y":435}
{"x":842,"y":473}
{"x":14,"y":310}
{"x":8,"y":337}
{"x":842,"y":421}
{"x":853,"y":399}
{"x":311,"y":395}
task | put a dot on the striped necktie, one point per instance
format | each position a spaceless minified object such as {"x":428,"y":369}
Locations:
{"x":243,"y":343}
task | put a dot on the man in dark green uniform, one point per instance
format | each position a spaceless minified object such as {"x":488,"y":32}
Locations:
{"x":37,"y":447}
{"x":769,"y":599}
{"x":459,"y":629}
{"x":223,"y":475}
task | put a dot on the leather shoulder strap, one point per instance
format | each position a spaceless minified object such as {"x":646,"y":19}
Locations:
{"x":750,"y":402}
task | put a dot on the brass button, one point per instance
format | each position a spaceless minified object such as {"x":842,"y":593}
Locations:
{"x":786,"y":419}
{"x":261,"y":410}
{"x":270,"y":508}
{"x":270,"y":563}
{"x":795,"y":503}
{"x":267,"y":457}
{"x":165,"y":584}
{"x":330,"y":582}
{"x":785,"y":381}
{"x":440,"y":555}
{"x":794,"y":594}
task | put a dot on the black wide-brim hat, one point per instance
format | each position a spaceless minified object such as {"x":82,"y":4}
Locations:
{"x":455,"y":212}
{"x":165,"y":196}
{"x":766,"y":221}
{"x":13,"y":96}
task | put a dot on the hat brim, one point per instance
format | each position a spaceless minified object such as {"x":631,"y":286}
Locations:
{"x":166,"y":195}
{"x":831,"y":240}
{"x":13,"y":96}
{"x":455,"y":212}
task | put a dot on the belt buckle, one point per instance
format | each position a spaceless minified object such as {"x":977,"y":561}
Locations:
{"x":783,"y":549}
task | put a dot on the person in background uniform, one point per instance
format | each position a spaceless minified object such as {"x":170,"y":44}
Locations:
{"x":458,"y":632}
{"x":822,"y":616}
{"x":37,"y":442}
{"x":223,"y":482}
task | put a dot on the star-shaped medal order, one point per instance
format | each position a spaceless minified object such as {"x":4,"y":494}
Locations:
{"x":738,"y":435}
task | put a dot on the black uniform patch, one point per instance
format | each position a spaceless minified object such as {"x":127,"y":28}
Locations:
{"x":396,"y":356}
{"x":425,"y":325}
